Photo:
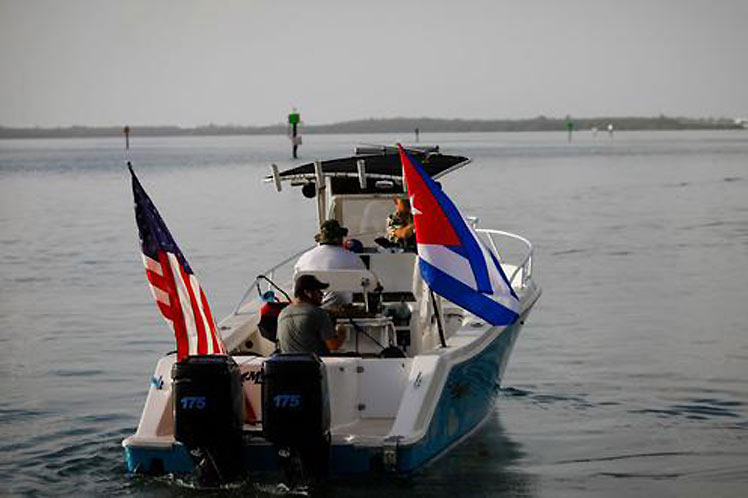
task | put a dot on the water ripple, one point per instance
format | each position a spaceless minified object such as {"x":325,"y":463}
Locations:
{"x":626,"y":456}
{"x":578,"y":400}
{"x":76,"y":373}
{"x":640,"y":475}
{"x":566,"y":252}
{"x":10,"y":414}
{"x":698,"y":409}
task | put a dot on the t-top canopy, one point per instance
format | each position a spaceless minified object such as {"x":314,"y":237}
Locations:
{"x":382,"y":168}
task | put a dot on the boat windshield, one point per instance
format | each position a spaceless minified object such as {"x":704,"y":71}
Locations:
{"x":365,"y":216}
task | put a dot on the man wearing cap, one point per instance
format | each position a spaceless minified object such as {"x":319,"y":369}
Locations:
{"x":303,"y":327}
{"x":330,"y":255}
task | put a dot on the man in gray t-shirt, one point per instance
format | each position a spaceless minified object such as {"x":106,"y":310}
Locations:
{"x":303,"y":327}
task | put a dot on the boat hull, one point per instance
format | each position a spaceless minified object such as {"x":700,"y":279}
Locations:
{"x":465,"y":402}
{"x":466,"y":399}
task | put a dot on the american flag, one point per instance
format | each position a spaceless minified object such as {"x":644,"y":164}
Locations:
{"x":175,"y":288}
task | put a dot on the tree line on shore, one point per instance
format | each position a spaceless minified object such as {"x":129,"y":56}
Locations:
{"x":389,"y":125}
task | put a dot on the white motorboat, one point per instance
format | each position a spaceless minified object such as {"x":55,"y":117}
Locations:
{"x":415,"y":375}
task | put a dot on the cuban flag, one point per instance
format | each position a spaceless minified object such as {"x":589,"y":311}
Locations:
{"x":453,"y":261}
{"x":175,"y":288}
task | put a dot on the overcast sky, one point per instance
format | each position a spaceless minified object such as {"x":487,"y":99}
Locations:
{"x":148,"y":62}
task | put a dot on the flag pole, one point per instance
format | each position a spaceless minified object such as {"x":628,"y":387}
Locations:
{"x":439,"y":324}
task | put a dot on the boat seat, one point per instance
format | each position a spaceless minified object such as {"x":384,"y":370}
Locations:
{"x":394,"y":270}
{"x":345,"y":280}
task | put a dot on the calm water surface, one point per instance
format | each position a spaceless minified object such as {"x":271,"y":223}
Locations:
{"x":629,"y":378}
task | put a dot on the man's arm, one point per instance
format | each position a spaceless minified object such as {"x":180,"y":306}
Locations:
{"x":404,"y":232}
{"x":396,"y":230}
{"x":337,"y":340}
{"x":333,"y":337}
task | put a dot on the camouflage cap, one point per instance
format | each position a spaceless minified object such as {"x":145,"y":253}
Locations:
{"x":330,"y":232}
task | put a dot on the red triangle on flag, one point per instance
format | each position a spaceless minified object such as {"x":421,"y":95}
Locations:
{"x":432,"y":225}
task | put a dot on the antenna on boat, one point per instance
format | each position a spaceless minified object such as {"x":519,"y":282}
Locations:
{"x":276,"y":177}
{"x":321,"y":197}
{"x":361,"y":165}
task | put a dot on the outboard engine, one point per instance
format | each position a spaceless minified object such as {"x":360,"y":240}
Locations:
{"x":296,"y":414}
{"x":208,"y":415}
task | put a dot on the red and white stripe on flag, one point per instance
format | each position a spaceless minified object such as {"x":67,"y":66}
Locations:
{"x":184,"y":306}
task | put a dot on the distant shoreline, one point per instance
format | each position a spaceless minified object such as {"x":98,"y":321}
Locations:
{"x":393,"y":125}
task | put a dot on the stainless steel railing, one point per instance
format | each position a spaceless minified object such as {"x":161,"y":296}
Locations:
{"x":274,"y":274}
{"x":282,"y":273}
{"x":525,"y":266}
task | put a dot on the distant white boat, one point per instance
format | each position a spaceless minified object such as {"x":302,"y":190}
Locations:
{"x":414,"y":377}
